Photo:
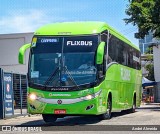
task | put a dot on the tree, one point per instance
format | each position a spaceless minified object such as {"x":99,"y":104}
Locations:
{"x":149,"y":51}
{"x":149,"y":65}
{"x":150,"y":69}
{"x":145,"y":14}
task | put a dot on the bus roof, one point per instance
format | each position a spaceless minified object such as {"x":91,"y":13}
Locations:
{"x":80,"y":28}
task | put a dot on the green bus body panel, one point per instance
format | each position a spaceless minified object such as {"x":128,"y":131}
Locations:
{"x":73,"y":108}
{"x":122,"y":86}
{"x":79,"y":28}
{"x":123,"y":89}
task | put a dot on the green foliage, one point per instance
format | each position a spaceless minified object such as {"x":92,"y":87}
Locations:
{"x":149,"y":51}
{"x":150,"y":68}
{"x":146,"y":15}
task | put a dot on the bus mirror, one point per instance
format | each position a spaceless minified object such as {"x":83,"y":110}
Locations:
{"x":100,"y":53}
{"x":22,"y":51}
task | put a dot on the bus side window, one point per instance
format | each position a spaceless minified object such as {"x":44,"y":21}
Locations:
{"x":104,"y":39}
{"x":130,"y":57}
{"x":120,"y":52}
{"x":134,"y":62}
{"x":139,"y":63}
{"x":112,"y":50}
{"x":138,"y":58}
{"x":125,"y":54}
{"x":109,"y":52}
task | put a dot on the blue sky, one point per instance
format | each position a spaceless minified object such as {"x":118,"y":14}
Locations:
{"x":17,"y":16}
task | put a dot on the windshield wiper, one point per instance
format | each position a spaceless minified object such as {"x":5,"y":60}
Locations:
{"x":66,"y":70}
{"x":50,"y":78}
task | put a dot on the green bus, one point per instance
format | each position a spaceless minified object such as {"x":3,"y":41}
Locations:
{"x":81,"y":68}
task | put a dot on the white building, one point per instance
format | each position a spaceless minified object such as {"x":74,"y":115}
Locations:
{"x":9,"y":48}
{"x":156,"y":57}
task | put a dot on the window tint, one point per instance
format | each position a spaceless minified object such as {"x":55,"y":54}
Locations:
{"x":112,"y":50}
{"x":130,"y":57}
{"x":121,"y":52}
{"x":104,"y":39}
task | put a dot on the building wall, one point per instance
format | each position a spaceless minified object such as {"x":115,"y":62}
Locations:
{"x":156,"y":57}
{"x":9,"y":49}
{"x":157,"y":93}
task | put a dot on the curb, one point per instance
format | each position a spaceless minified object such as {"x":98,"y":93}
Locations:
{"x":20,"y":116}
{"x":15,"y":116}
{"x":150,"y":103}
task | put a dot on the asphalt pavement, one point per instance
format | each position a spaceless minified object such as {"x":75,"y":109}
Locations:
{"x":147,"y":115}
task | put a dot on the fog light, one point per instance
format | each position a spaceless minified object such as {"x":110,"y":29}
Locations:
{"x":32,"y":106}
{"x":32,"y":96}
{"x":89,"y":107}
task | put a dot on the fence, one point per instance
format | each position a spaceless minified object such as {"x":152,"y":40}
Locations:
{"x":13,"y":91}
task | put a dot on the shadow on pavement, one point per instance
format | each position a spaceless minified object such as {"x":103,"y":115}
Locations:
{"x":66,"y":121}
{"x":74,"y":120}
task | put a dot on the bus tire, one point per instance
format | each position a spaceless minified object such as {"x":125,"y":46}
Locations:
{"x":108,"y":113}
{"x":49,"y":118}
{"x":133,"y":109}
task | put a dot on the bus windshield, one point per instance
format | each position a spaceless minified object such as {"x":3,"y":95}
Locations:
{"x":63,"y":61}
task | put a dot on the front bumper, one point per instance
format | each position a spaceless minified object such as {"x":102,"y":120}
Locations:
{"x":85,"y":107}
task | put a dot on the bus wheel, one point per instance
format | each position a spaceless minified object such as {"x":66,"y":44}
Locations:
{"x":49,"y":118}
{"x":107,"y":115}
{"x":133,"y":109}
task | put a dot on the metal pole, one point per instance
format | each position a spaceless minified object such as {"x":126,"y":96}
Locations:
{"x":27,"y":88}
{"x":145,"y":40}
{"x":1,"y":95}
{"x":21,"y":93}
{"x":12,"y":94}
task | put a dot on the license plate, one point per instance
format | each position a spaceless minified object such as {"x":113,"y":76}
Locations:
{"x":59,"y":111}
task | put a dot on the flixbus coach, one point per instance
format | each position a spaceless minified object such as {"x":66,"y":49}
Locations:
{"x":81,"y":68}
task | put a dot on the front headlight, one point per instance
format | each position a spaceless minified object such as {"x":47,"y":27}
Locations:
{"x":91,"y":96}
{"x":32,"y":96}
{"x":88,"y":97}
